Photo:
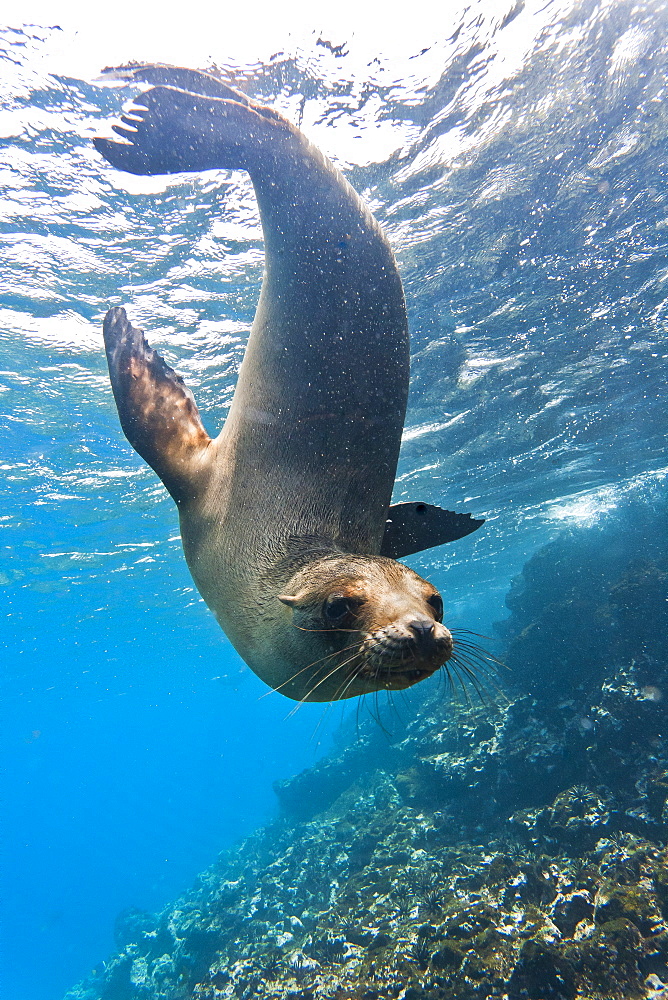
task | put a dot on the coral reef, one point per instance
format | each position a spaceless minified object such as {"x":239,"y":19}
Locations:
{"x":513,"y":851}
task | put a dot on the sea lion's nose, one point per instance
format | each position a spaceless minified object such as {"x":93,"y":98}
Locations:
{"x":422,"y":627}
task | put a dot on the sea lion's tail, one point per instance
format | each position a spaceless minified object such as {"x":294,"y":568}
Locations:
{"x":190,"y":121}
{"x":157,"y":411}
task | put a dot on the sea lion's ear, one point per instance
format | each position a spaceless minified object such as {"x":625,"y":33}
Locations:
{"x":412,"y":527}
{"x":286,"y":599}
{"x":157,"y":411}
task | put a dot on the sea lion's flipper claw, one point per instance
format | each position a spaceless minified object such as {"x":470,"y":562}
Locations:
{"x":412,"y":527}
{"x":126,"y":133}
{"x":157,"y":411}
{"x":131,"y":121}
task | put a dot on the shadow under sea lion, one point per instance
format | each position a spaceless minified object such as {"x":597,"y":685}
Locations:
{"x":285,"y":517}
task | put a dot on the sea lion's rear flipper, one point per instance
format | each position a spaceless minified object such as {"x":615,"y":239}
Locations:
{"x":158,"y":413}
{"x":412,"y":527}
{"x":161,"y":74}
{"x":170,"y":129}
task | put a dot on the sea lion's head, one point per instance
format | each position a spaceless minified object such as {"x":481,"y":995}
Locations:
{"x":357,"y":624}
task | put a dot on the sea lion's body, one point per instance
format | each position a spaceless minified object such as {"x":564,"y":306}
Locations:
{"x":295,"y":492}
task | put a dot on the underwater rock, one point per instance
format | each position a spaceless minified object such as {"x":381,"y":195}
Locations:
{"x":569,"y":909}
{"x":514,"y":850}
{"x":542,"y":973}
{"x":133,"y":925}
{"x":314,"y":790}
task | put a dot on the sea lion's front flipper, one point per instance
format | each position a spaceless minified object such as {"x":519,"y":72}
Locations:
{"x":412,"y":527}
{"x":158,"y":413}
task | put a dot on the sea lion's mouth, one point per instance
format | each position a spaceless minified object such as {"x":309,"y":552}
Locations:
{"x":402,"y":654}
{"x":395,"y":678}
{"x":400,"y":679}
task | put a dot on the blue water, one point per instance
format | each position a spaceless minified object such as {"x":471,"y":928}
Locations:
{"x":518,"y":164}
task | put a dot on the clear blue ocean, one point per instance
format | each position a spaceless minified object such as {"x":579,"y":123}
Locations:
{"x":516,"y":156}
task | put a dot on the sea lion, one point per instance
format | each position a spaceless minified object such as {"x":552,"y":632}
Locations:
{"x":285,"y":517}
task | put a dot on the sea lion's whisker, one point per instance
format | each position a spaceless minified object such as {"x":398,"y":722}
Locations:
{"x":479,"y":662}
{"x":476,"y":665}
{"x":467,"y":667}
{"x":336,"y":652}
{"x":475,"y":659}
{"x":320,"y":669}
{"x":347,"y":681}
{"x":308,"y":694}
{"x":377,"y":719}
{"x":453,"y":678}
{"x":338,"y":666}
{"x":480,"y":657}
{"x":360,"y":702}
{"x":309,"y":666}
{"x":404,"y":698}
{"x":468,"y":631}
{"x":331,"y":628}
{"x":393,"y":707}
{"x":328,"y":656}
{"x":323,"y":715}
{"x":480,"y":651}
{"x":465,"y":675}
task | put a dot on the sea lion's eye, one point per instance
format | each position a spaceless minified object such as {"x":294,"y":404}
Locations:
{"x":337,"y":608}
{"x":436,"y":603}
